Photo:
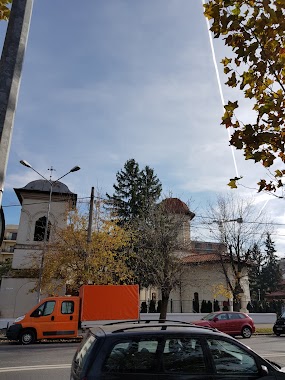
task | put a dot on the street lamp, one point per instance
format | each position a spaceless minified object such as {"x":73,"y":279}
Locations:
{"x":74,"y":169}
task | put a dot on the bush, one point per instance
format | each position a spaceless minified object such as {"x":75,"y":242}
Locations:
{"x":204,"y":307}
{"x":158,"y":306}
{"x":143,"y":307}
{"x":152,"y":308}
{"x":216,"y":305}
{"x":209,"y":307}
{"x":195,"y":306}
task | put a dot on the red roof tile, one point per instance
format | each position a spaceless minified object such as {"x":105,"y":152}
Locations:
{"x":202,"y":258}
{"x":176,"y":206}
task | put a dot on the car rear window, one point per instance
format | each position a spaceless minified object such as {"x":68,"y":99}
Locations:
{"x":83,"y":351}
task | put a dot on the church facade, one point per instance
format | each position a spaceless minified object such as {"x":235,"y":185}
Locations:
{"x":39,"y":200}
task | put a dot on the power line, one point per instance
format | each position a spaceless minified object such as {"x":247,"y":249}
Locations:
{"x":54,"y":201}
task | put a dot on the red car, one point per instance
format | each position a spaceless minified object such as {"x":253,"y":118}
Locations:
{"x":229,"y":322}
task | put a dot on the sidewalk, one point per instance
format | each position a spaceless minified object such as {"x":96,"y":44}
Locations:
{"x":264,"y":325}
{"x":264,"y":328}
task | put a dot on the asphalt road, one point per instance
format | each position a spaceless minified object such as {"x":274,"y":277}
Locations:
{"x":268,"y":346}
{"x":44,"y":361}
{"x":39,"y":361}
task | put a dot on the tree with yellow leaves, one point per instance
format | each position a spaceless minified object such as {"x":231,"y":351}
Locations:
{"x":221,"y":290}
{"x":4,"y":9}
{"x":72,"y":261}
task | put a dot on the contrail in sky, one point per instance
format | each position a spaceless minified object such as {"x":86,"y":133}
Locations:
{"x":219,"y":84}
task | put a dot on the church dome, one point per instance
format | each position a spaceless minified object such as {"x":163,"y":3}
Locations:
{"x":176,"y":206}
{"x":39,"y":188}
{"x":43,"y":185}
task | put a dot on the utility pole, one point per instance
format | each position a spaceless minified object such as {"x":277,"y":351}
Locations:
{"x":10,"y":76}
{"x":91,"y":207}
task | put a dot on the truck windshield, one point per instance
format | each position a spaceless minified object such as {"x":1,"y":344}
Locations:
{"x":45,"y":309}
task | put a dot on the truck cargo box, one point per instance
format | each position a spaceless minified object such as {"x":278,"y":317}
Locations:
{"x":111,"y":302}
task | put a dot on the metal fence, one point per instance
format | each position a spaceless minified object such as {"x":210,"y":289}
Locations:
{"x":185,"y":306}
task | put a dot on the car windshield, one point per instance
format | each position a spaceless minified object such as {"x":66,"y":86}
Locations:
{"x":209,"y":317}
{"x":83,"y":351}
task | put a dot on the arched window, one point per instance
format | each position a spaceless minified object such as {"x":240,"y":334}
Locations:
{"x":40,"y":229}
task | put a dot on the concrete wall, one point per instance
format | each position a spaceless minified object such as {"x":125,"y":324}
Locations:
{"x":258,"y":318}
{"x":15,"y":296}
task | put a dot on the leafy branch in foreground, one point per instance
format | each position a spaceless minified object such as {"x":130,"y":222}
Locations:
{"x":255,"y":32}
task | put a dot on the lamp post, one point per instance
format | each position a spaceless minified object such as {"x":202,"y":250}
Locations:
{"x":51,"y":183}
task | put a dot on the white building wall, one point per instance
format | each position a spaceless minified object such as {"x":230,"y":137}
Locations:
{"x":15,"y":296}
{"x":18,"y":295}
{"x":32,"y":209}
{"x":202,"y":279}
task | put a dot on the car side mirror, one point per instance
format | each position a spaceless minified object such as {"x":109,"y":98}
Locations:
{"x":264,"y":371}
{"x":215,"y":319}
{"x":36,"y":313}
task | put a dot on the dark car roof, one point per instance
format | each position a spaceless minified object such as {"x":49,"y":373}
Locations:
{"x":228,"y":312}
{"x":149,"y":328}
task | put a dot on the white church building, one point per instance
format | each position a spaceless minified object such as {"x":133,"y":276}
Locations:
{"x":202,"y":276}
{"x":15,"y":294}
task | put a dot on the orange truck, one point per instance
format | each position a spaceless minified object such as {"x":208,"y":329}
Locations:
{"x":68,"y":316}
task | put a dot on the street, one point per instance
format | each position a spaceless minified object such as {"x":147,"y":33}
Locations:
{"x":52,"y":360}
{"x":268,"y":346}
{"x":36,"y":361}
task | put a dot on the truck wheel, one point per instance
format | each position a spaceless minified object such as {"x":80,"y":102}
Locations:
{"x":27,"y":337}
{"x":246,"y":332}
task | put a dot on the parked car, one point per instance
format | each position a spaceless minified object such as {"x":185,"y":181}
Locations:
{"x":230,"y":322}
{"x":168,"y":350}
{"x":279,"y":325}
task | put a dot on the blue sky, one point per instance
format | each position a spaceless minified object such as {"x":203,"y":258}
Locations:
{"x":106,"y":81}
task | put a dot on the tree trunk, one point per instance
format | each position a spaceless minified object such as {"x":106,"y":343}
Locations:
{"x":164,"y":304}
{"x":236,"y":296}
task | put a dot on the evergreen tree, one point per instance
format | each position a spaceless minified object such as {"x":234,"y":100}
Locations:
{"x":135,"y":191}
{"x":150,"y":188}
{"x":270,"y":274}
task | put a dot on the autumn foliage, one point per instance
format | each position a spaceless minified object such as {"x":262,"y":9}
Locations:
{"x":4,"y":9}
{"x":71,"y":260}
{"x":255,"y":32}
